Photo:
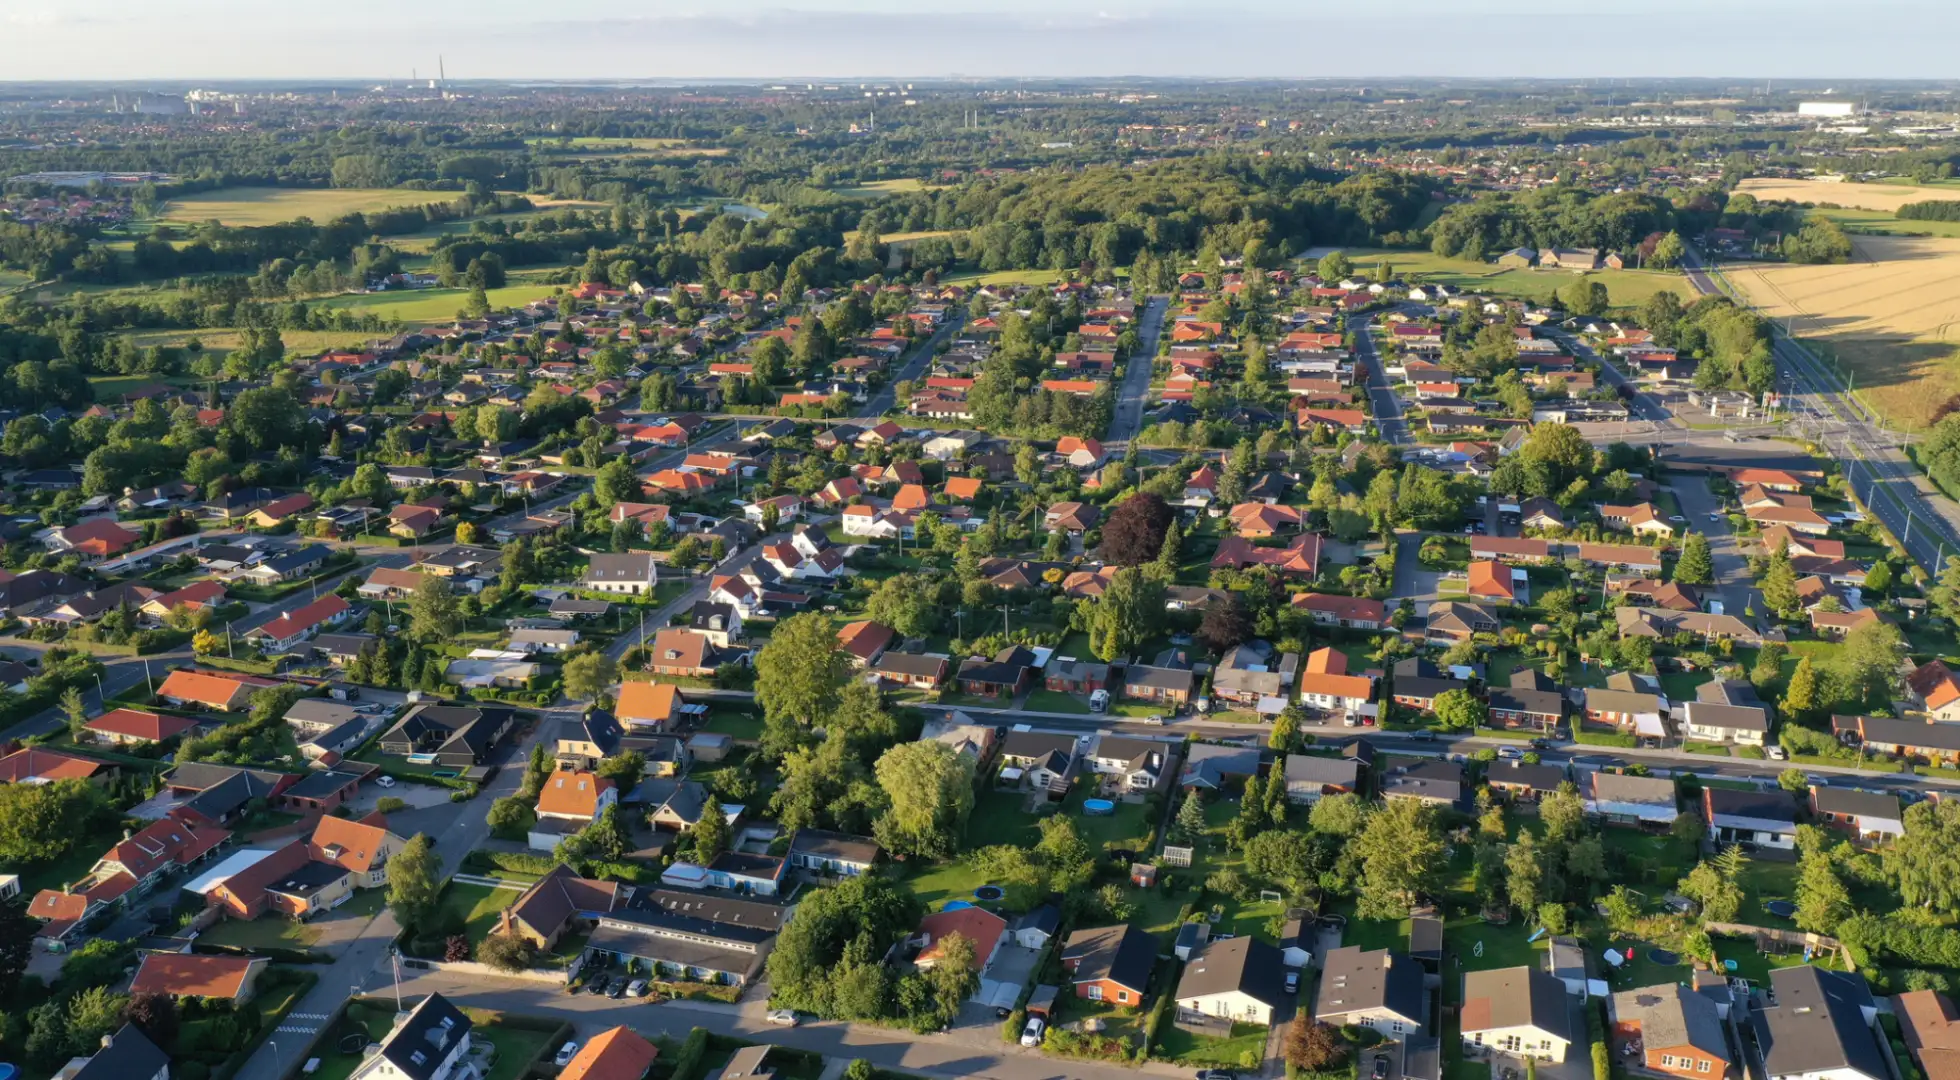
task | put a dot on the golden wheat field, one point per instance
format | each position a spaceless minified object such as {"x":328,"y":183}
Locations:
{"x":1892,"y":314}
{"x":1886,"y":197}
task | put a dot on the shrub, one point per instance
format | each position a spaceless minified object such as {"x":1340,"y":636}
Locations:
{"x":390,"y":804}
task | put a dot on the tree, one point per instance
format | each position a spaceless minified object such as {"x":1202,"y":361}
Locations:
{"x":1694,"y":567}
{"x":155,"y":1015}
{"x":1584,"y":297}
{"x":1338,"y":816}
{"x":433,"y":612}
{"x":1126,"y":614}
{"x":1793,"y":780}
{"x":1719,"y":896}
{"x":1286,"y":730}
{"x":1226,"y":623}
{"x":414,"y":881}
{"x":625,"y":770}
{"x":1313,"y":1046}
{"x":711,"y":834}
{"x":1560,"y":448}
{"x":1779,"y":583}
{"x":1873,"y":651}
{"x":588,"y":675}
{"x":1284,"y":857}
{"x":616,"y":482}
{"x":1334,"y":266}
{"x":1924,"y":864}
{"x":1945,"y":597}
{"x":930,"y":788}
{"x":42,"y":822}
{"x":906,"y":603}
{"x":1459,"y":710}
{"x":1134,"y":532}
{"x":798,"y":671}
{"x":1399,"y":851}
{"x":1525,"y":873}
{"x":506,"y":951}
{"x":1822,"y":900}
{"x":1190,"y":821}
{"x":509,"y":817}
{"x":1564,"y":814}
{"x":1669,"y":250}
{"x":1800,"y":697}
{"x":267,"y":418}
{"x":75,"y":710}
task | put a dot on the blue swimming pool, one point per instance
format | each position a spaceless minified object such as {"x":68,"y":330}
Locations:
{"x":957,"y":905}
{"x":1098,"y":807}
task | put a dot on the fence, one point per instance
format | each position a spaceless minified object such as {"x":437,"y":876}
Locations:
{"x":471,"y":967}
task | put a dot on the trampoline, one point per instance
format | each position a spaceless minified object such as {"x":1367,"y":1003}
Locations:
{"x":1782,"y":909}
{"x":8,"y":1072}
{"x":1663,"y":957}
{"x":445,"y":774}
{"x":1098,"y":807}
{"x":989,"y":892}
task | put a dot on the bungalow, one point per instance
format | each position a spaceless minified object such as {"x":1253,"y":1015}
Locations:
{"x":1633,"y":557}
{"x":1110,"y":963}
{"x":1716,"y":722}
{"x":1630,"y":800}
{"x":684,"y":654}
{"x":1451,"y":621}
{"x":1327,"y":689}
{"x":133,"y":727}
{"x":231,"y":978}
{"x":1627,"y":710}
{"x":924,"y":671}
{"x":630,"y":573}
{"x":1072,"y":518}
{"x":824,"y":853}
{"x":1418,"y":682}
{"x":1240,"y":979}
{"x":1866,"y":815}
{"x":1494,"y":581}
{"x":1353,"y":612}
{"x":1004,"y":675}
{"x":1137,"y":765}
{"x":568,"y":803}
{"x":1524,"y":782}
{"x":1310,"y":776}
{"x":296,"y":626}
{"x":1765,"y":818}
{"x":384,"y":583}
{"x":1517,"y":1010}
{"x":212,"y":690}
{"x":1380,"y":989}
{"x":1514,"y":549}
{"x":93,"y":540}
{"x":1820,"y":1027}
{"x":1640,"y":519}
{"x":413,"y":522}
{"x":865,"y":641}
{"x":1215,"y":765}
{"x":1531,"y":700}
{"x":455,"y":736}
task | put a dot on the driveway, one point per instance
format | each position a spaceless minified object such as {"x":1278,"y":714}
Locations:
{"x":1001,"y":984}
{"x":1412,"y":579}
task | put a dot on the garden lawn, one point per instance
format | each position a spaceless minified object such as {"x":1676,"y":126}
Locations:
{"x":1176,"y":1044}
{"x":264,"y":932}
{"x":479,"y":906}
{"x":374,"y":1019}
{"x":1480,"y":946}
{"x":739,"y":725}
{"x":1056,"y":702}
{"x":1756,"y":966}
{"x":517,"y":1048}
{"x":1762,"y":881}
{"x":1651,"y":863}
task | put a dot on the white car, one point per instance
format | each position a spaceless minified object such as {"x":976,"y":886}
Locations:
{"x":565,"y":1054}
{"x":385,"y":780}
{"x":783,"y":1018}
{"x":1510,"y":753}
{"x":1775,"y":753}
{"x":637,"y":988}
{"x":1031,"y":1035}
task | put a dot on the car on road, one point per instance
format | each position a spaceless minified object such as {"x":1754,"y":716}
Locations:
{"x":1676,"y":518}
{"x":1154,"y":719}
{"x":1540,"y":744}
{"x":1510,"y":753}
{"x":1031,"y":1035}
{"x":565,"y":1054}
{"x":1714,"y":515}
{"x":783,"y":1017}
{"x":1216,"y":1074}
{"x":1775,"y":753}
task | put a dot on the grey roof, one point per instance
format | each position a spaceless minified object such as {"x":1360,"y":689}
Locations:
{"x":1539,"y":702}
{"x":915,"y":664}
{"x":1515,"y":997}
{"x":320,"y":783}
{"x":321,"y":711}
{"x":1535,"y":777}
{"x":1160,"y":678}
{"x":1818,"y":1024}
{"x":1211,"y":763}
{"x":341,"y":644}
{"x":1673,"y":1015}
{"x":748,"y":1061}
{"x":1136,"y":753}
{"x":287,"y":561}
{"x":1425,"y":937}
{"x":1619,"y":787}
{"x":1121,"y":954}
{"x":1862,"y":804}
{"x":432,"y":1029}
{"x":1035,"y":745}
{"x":1730,"y":717}
{"x":1354,"y":981}
{"x":1892,"y":732}
{"x":1244,"y":964}
{"x":835,"y":845}
{"x":1758,"y":805}
{"x":631,"y":566}
{"x":1047,"y":919}
{"x":1316,"y":769}
{"x":127,"y":1055}
{"x":1728,"y":692}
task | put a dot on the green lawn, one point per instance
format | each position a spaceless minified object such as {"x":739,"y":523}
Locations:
{"x":1624,"y":288}
{"x":1176,"y":1044}
{"x":264,"y":932}
{"x":427,"y":306}
{"x":1762,"y":881}
{"x":479,"y":906}
{"x":517,"y":1048}
{"x":70,"y":867}
{"x":739,"y":724}
{"x":1756,"y":966}
{"x":1055,"y":701}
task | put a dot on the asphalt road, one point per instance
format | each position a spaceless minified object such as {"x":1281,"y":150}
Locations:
{"x":1388,"y":408}
{"x":887,"y":396}
{"x":1131,"y":398}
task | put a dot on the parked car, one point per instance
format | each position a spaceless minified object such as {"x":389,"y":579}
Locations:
{"x":1775,"y":753}
{"x":1509,"y":753}
{"x":385,"y":780}
{"x":1292,"y":982}
{"x":565,"y":1054}
{"x":596,"y":985}
{"x":1031,"y":1035}
{"x":783,"y":1017}
{"x":618,"y":988}
{"x":1154,"y":720}
{"x":1422,"y":735}
{"x":637,"y":988}
{"x":1540,"y":744}
{"x":1216,"y":1074}
{"x":1381,"y":1067}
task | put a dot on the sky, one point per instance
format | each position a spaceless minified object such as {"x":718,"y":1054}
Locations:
{"x":687,"y":39}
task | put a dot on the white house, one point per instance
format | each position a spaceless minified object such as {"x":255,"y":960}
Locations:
{"x":429,"y":1042}
{"x":871,"y":523}
{"x":632,"y":573}
{"x":1379,"y":989}
{"x":1633,"y":800}
{"x":1713,"y":722}
{"x":1517,"y":1010}
{"x":1239,"y":979}
{"x":570,"y":801}
{"x":1764,"y":818}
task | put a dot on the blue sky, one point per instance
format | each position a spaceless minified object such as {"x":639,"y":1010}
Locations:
{"x":366,"y":39}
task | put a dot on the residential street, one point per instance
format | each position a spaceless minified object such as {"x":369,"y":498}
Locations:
{"x":1388,"y":408}
{"x":1130,"y":397}
{"x":887,"y":396}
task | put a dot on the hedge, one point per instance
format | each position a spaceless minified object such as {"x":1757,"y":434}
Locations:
{"x":1600,"y":738}
{"x":517,"y":862}
{"x":692,"y":1056}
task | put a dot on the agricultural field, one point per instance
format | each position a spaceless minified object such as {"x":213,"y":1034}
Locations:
{"x":270,"y":206}
{"x":1882,"y":221}
{"x":1624,"y":288}
{"x":1886,"y":197}
{"x":428,"y":306}
{"x":593,"y":146}
{"x":875,"y":188}
{"x":1889,"y":316}
{"x":298,"y":342}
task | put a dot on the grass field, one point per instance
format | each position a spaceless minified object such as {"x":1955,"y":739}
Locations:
{"x":270,"y":206}
{"x":1886,"y":197}
{"x":876,"y":188}
{"x":1889,"y":317}
{"x":1624,"y":288}
{"x":1880,"y":221}
{"x":479,"y":906}
{"x":298,"y":342}
{"x":425,"y":306}
{"x":1004,"y":277}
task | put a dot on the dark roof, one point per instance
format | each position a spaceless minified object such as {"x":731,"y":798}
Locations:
{"x":1762,"y":805}
{"x":1499,"y":998}
{"x":1863,"y":804}
{"x":632,"y":566}
{"x":1536,"y":702}
{"x":1890,"y":731}
{"x":1360,"y":750}
{"x":1036,"y":744}
{"x":1425,"y":937}
{"x":1245,"y":964}
{"x":432,"y":1029}
{"x":902,"y":663}
{"x":320,"y":783}
{"x":598,"y":727}
{"x":307,"y":878}
{"x":1121,"y":954}
{"x":1818,"y":1024}
{"x":127,"y":1055}
{"x":1046,"y":918}
{"x":1353,"y":981}
{"x":341,"y":644}
{"x":1535,"y":777}
{"x":704,"y":914}
{"x":287,"y":561}
{"x":835,"y":845}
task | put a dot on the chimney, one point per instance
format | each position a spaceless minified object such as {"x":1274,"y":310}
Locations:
{"x":1388,"y":959}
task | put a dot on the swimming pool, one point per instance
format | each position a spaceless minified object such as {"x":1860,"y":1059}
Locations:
{"x":1098,"y":807}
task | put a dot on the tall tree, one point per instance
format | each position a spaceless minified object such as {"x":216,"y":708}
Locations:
{"x":1134,"y":532}
{"x":414,"y":881}
{"x":1779,"y":583}
{"x":433,"y":612}
{"x":1694,"y":567}
{"x":799,"y":669}
{"x":930,"y":788}
{"x":588,"y":675}
{"x":1400,"y":852}
{"x":1924,"y":864}
{"x":1126,"y":614}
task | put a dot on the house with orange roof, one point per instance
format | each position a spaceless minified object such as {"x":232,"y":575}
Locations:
{"x":839,"y":491}
{"x":983,"y":928}
{"x":1640,"y":519}
{"x":641,"y":516}
{"x":1329,"y":691}
{"x":133,"y":727}
{"x":1349,"y":420}
{"x":648,"y":704}
{"x":36,"y":765}
{"x":1080,"y":453}
{"x":961,"y":489}
{"x":362,"y":848}
{"x":1259,"y":521}
{"x":299,"y":624}
{"x":1769,"y":479}
{"x":202,"y":976}
{"x":912,"y":497}
{"x":1356,"y":612}
{"x":1935,"y":688}
{"x":93,"y":540}
{"x":879,"y":434}
{"x":1072,"y":387}
{"x":143,"y":860}
{"x":1492,"y":580}
{"x":614,"y":1054}
{"x":276,"y":512}
{"x":865,"y":641}
{"x":196,"y":596}
{"x":1300,"y":558}
{"x":223,"y":692}
{"x":569,"y":802}
{"x":1776,"y":536}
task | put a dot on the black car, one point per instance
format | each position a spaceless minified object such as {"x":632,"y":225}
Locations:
{"x":596,"y":985}
{"x":618,"y":988}
{"x":1381,"y":1068}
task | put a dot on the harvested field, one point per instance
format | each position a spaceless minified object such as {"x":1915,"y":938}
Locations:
{"x":1891,"y":316}
{"x":244,"y":206}
{"x":1886,"y":197}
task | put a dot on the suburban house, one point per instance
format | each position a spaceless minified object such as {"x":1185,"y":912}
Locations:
{"x":1627,"y":710}
{"x":1136,"y":765}
{"x":1379,"y":988}
{"x":1213,"y":765}
{"x":429,"y":1042}
{"x":1517,"y":1010}
{"x":1328,"y":690}
{"x":1355,"y":612}
{"x":648,"y":704}
{"x":1310,"y":776}
{"x":865,"y":641}
{"x":1630,"y":800}
{"x":213,"y":690}
{"x":1419,"y":682}
{"x":682,"y":653}
{"x":614,"y":1054}
{"x":1931,"y":1029}
{"x":191,"y":975}
{"x":1821,"y":1027}
{"x":822,"y":852}
{"x":1072,"y":518}
{"x":127,"y":727}
{"x":455,"y":736}
{"x":1532,"y":700}
{"x":1522,"y":781}
{"x":1168,"y":686}
{"x":1764,"y":818}
{"x":568,"y":803}
{"x":1713,"y":722}
{"x":1937,"y":743}
{"x":922,"y":670}
{"x":293,"y":627}
{"x":559,"y":901}
{"x":1239,"y":979}
{"x":361,"y":848}
{"x":1004,"y":675}
{"x":1451,"y":621}
{"x":1110,"y":963}
{"x":1866,"y":815}
{"x":127,"y":1055}
{"x":631,"y":574}
{"x":1681,"y":1030}
{"x":984,"y":929}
